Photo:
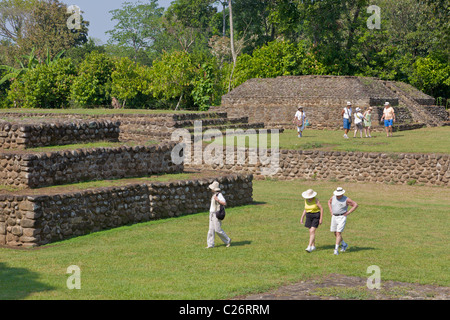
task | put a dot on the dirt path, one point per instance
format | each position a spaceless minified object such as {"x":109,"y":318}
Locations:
{"x":340,"y":287}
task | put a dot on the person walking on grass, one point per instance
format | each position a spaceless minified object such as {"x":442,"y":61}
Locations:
{"x":347,"y":116}
{"x":338,"y":205}
{"x":368,"y":122}
{"x":299,"y":121}
{"x":359,"y":126}
{"x":215,"y":225}
{"x":389,"y":118}
{"x":314,"y":215}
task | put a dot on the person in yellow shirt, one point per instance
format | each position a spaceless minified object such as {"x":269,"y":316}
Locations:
{"x":314,"y":215}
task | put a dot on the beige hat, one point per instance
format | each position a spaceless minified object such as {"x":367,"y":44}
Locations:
{"x":214,"y":186}
{"x":299,"y":107}
{"x":339,"y":192}
{"x":386,"y":103}
{"x":309,"y":194}
{"x":349,"y":103}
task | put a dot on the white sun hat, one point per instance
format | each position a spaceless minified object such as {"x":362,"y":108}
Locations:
{"x":214,"y":186}
{"x":339,"y":191}
{"x":309,"y":194}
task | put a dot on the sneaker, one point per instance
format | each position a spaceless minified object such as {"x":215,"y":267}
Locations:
{"x":310,"y":249}
{"x":344,"y":247}
{"x":336,"y":252}
{"x":229,"y":244}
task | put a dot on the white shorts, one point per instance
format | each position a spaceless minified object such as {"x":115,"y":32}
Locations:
{"x":338,"y":223}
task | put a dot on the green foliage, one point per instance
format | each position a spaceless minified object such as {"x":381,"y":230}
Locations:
{"x":278,"y":58}
{"x":130,"y":82}
{"x":92,"y":86}
{"x":138,"y":25}
{"x":172,"y":75}
{"x":45,"y":86}
{"x":432,"y":76}
{"x":204,"y":87}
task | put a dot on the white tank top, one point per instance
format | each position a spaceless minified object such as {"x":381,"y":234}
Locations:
{"x":339,"y":206}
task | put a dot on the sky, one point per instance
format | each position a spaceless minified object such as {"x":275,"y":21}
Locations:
{"x":97,"y":13}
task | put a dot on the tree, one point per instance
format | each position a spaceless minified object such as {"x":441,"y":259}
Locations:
{"x":171,"y":76}
{"x":195,"y":14}
{"x":13,"y":73}
{"x":129,"y":81}
{"x":92,"y":86}
{"x":47,"y":31}
{"x":277,"y":58}
{"x":432,"y":75}
{"x":138,"y":25}
{"x":45,"y":86}
{"x":13,"y":15}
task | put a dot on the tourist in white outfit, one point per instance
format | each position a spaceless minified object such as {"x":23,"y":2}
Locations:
{"x":300,"y":121}
{"x":359,"y":124}
{"x":215,"y":225}
{"x":338,"y":205}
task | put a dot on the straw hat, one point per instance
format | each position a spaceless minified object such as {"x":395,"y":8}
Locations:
{"x":214,"y":186}
{"x":309,"y":194}
{"x":339,"y":192}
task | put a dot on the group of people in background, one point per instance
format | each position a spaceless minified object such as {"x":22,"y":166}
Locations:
{"x":363,"y":121}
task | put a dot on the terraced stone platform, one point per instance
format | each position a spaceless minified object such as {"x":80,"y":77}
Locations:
{"x":39,"y":203}
{"x":274,"y":101}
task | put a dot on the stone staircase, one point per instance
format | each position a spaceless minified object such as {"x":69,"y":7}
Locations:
{"x":418,"y":112}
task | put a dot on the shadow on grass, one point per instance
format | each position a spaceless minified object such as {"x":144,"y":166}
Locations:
{"x":19,"y":283}
{"x":257,"y":203}
{"x":240,"y":243}
{"x":350,"y":248}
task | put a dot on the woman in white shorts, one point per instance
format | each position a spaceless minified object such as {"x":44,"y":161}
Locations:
{"x":338,"y":205}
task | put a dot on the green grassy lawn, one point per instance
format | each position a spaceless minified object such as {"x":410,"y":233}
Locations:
{"x":401,"y":229}
{"x":92,"y":145}
{"x":427,"y":140}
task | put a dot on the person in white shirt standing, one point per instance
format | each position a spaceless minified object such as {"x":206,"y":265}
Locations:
{"x":347,"y":116}
{"x":215,"y":225}
{"x":299,"y":121}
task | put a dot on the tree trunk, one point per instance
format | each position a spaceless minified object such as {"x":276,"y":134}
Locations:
{"x":179,"y":102}
{"x":233,"y":51}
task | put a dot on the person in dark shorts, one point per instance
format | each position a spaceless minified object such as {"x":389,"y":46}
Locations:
{"x":314,"y":215}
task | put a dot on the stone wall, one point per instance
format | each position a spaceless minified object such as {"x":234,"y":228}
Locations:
{"x":32,"y":135}
{"x":29,"y":220}
{"x":34,"y":170}
{"x":403,"y":168}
